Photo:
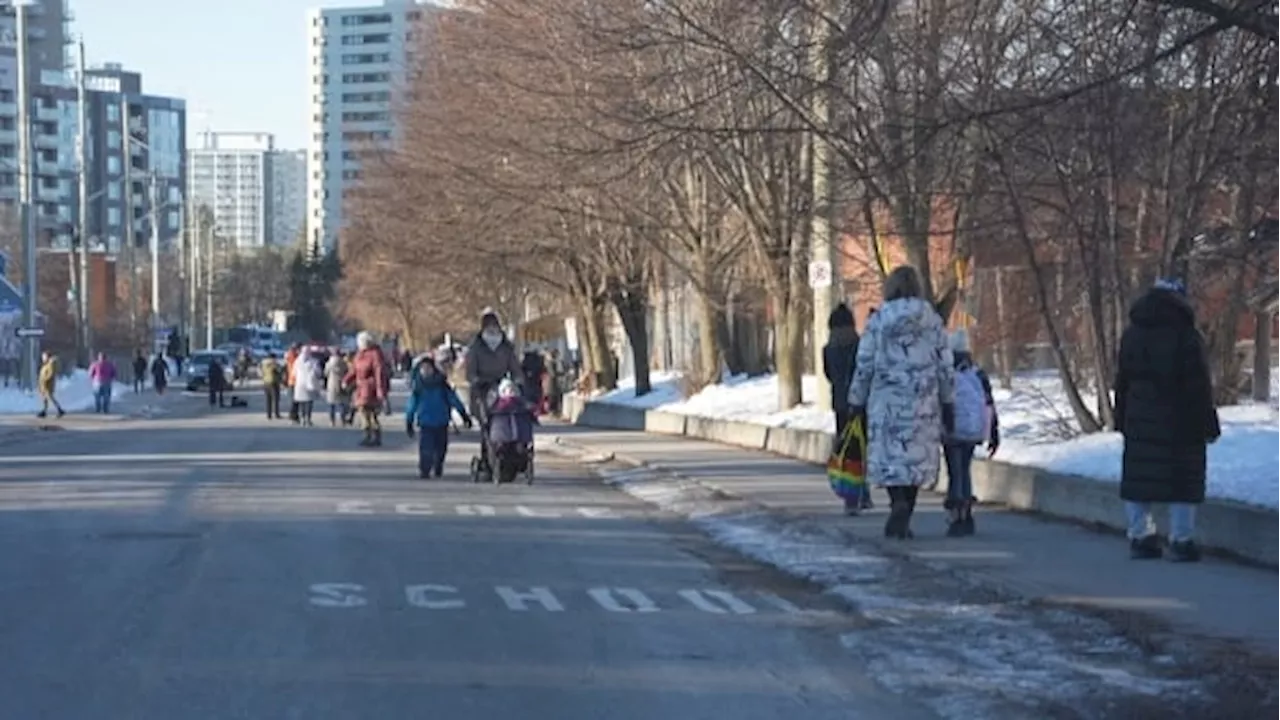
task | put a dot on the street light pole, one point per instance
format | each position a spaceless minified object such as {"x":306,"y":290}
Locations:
{"x":86,"y":322}
{"x":26,"y":211}
{"x":208,"y":291}
{"x":155,"y":259}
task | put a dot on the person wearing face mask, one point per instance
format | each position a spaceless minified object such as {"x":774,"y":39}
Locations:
{"x":490,"y":358}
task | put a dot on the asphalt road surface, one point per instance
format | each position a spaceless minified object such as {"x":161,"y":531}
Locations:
{"x":222,"y":566}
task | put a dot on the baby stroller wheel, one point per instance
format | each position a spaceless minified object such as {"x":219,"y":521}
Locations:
{"x":528,"y":472}
{"x":475,"y":469}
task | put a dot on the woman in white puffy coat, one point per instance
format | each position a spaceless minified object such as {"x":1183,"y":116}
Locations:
{"x":306,"y":385}
{"x":905,"y":381}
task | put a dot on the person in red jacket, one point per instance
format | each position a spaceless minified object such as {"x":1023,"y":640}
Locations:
{"x":368,"y":376}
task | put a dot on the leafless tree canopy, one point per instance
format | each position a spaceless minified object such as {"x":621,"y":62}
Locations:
{"x":592,"y":155}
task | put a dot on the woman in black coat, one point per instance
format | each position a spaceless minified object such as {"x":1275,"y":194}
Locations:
{"x":1165,"y":410}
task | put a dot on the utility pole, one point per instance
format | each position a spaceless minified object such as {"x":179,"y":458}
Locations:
{"x":84,"y":311}
{"x":825,"y":275}
{"x":155,"y":258}
{"x":208,"y":291}
{"x":183,"y":238}
{"x":26,"y":210}
{"x":131,"y":252}
{"x":194,"y":276}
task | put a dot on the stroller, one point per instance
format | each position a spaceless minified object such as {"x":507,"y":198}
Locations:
{"x":506,"y":441}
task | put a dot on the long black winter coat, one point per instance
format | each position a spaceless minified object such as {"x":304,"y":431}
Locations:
{"x":1164,"y":402}
{"x":837,"y":364}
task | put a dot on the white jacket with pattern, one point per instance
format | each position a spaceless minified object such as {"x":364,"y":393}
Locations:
{"x":904,"y":374}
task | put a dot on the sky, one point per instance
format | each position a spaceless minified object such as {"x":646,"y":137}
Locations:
{"x":241,"y":65}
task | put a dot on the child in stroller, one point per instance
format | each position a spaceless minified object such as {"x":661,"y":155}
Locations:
{"x":506,"y":431}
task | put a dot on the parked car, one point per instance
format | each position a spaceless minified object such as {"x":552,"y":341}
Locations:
{"x":197,"y":369}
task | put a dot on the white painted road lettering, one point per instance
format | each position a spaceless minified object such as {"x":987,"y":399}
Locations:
{"x":597,"y":513}
{"x":338,"y":595}
{"x":422,"y":596}
{"x":486,"y":510}
{"x":413,"y":509}
{"x":608,"y":598}
{"x":517,"y":600}
{"x":436,"y":596}
{"x":529,"y":512}
{"x":355,"y":507}
{"x":702,"y":599}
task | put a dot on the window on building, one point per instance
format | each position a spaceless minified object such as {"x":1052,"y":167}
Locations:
{"x":6,"y":96}
{"x":174,"y":220}
{"x":113,"y":165}
{"x":49,"y":183}
{"x":113,"y":191}
{"x":113,"y":216}
{"x":113,"y":139}
{"x":113,"y":113}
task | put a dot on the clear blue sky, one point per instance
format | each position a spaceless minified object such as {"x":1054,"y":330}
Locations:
{"x":240,"y":64}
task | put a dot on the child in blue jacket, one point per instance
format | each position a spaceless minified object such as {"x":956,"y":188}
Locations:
{"x":431,"y":403}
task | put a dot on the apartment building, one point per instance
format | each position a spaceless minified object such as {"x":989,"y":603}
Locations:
{"x":288,"y":196}
{"x":231,"y":174}
{"x":357,"y":60}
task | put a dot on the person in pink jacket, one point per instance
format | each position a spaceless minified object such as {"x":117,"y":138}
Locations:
{"x":102,"y":373}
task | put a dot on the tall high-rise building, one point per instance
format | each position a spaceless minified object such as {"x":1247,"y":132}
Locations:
{"x":288,"y":195}
{"x":231,"y":174}
{"x":357,"y":60}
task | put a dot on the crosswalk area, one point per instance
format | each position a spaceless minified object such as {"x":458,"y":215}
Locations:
{"x":436,"y":596}
{"x":550,"y":512}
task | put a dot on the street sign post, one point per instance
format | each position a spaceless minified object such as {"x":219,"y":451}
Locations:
{"x":29,"y":332}
{"x":819,"y":275}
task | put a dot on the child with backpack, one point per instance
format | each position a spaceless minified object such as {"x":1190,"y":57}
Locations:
{"x":975,"y":424}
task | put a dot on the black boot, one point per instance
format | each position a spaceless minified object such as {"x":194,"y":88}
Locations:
{"x":968,"y":526}
{"x":955,"y":518}
{"x":377,"y":438}
{"x":1147,"y":548}
{"x":1184,"y":551}
{"x":898,"y":525}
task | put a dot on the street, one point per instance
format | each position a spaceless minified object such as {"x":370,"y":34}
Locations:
{"x":216,"y":565}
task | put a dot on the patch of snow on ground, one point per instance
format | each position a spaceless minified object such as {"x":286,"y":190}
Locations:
{"x":75,"y":393}
{"x":963,"y":659}
{"x":1037,"y":428}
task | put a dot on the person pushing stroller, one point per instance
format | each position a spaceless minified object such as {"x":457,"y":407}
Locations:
{"x":490,"y":358}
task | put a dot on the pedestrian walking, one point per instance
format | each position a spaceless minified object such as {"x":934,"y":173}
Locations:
{"x":271,"y":381}
{"x":47,"y":383}
{"x":335,"y":371}
{"x":217,"y":380}
{"x":306,"y":381}
{"x":139,"y":371}
{"x":1165,"y":411}
{"x":432,"y":402}
{"x":904,"y":382}
{"x":975,"y":423}
{"x":290,"y":361}
{"x":367,"y":375}
{"x":102,"y":375}
{"x":160,"y":373}
{"x":838,"y":360}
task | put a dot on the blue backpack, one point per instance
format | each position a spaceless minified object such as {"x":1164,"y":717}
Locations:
{"x":970,"y":407}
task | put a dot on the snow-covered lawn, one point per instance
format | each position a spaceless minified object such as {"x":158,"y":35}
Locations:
{"x":1036,"y":428}
{"x":75,"y":393}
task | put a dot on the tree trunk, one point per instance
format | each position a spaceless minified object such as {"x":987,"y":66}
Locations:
{"x":788,"y":353}
{"x":632,"y":310}
{"x":1262,"y":323}
{"x":606,"y":376}
{"x":708,"y":340}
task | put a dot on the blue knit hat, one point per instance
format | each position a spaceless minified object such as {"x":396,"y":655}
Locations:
{"x":1171,"y":284}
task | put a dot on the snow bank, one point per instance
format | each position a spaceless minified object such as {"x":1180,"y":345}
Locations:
{"x":75,"y":392}
{"x":1037,"y":429}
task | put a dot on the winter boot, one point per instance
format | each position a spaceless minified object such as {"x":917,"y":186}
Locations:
{"x":1147,"y":548}
{"x":898,"y":525}
{"x":367,"y":440}
{"x":1184,"y":551}
{"x":966,"y":519}
{"x":377,"y":438}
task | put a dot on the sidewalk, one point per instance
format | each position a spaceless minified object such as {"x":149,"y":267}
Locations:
{"x":1042,"y":561}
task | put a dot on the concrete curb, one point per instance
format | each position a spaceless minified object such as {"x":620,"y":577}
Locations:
{"x":1244,"y":532}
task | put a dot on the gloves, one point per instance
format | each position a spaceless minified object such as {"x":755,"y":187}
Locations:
{"x":408,"y":428}
{"x":467,"y":422}
{"x":948,"y":418}
{"x":993,"y":444}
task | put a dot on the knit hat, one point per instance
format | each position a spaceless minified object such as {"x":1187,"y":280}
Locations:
{"x":840,"y":317}
{"x":507,"y":388}
{"x":960,"y":341}
{"x":1171,"y":284}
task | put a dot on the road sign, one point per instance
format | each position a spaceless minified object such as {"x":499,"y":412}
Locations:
{"x":819,"y":275}
{"x":28,"y":332}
